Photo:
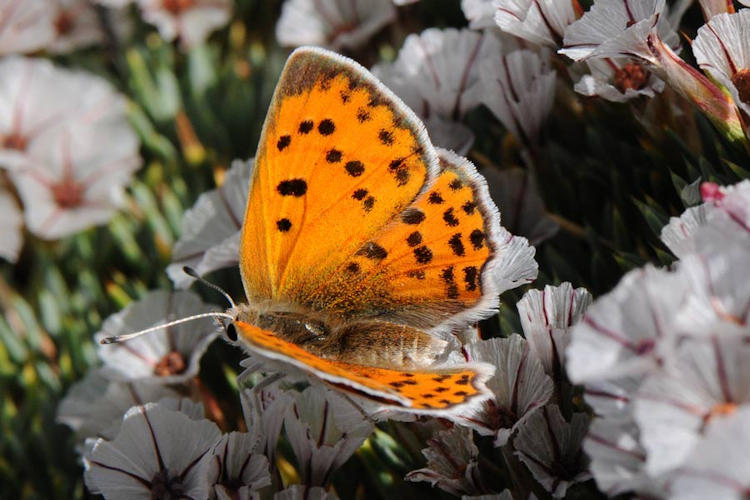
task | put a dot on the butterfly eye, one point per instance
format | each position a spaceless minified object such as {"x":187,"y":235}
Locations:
{"x":231,"y":332}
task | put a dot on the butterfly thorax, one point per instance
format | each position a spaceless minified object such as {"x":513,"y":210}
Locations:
{"x":367,"y":342}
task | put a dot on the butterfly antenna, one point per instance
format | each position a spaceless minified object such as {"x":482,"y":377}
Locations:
{"x":194,"y":274}
{"x":122,"y":338}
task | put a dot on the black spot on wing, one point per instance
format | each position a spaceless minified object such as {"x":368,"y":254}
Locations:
{"x":362,"y":115}
{"x":326,"y":127}
{"x":354,"y":168}
{"x":418,"y":274}
{"x":359,"y":194}
{"x":412,"y":216}
{"x":373,"y":251}
{"x":283,"y":142}
{"x":414,"y":239}
{"x":469,"y":207}
{"x":333,"y":156}
{"x":368,"y":203}
{"x":423,"y":254}
{"x":477,"y":239}
{"x":292,"y":187}
{"x":456,"y":245}
{"x":386,"y":137}
{"x":283,"y":225}
{"x":435,"y":198}
{"x":456,"y":184}
{"x":470,"y":278}
{"x":450,"y":218}
{"x":448,"y":277}
{"x":402,"y":176}
{"x":353,"y":268}
{"x":305,"y":127}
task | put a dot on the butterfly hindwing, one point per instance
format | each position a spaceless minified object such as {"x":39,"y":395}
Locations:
{"x":423,"y":390}
{"x":439,"y":254}
{"x":338,"y":156}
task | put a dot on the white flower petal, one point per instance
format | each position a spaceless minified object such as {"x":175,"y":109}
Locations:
{"x":702,"y":383}
{"x":542,"y":22}
{"x":635,"y":79}
{"x":719,"y":464}
{"x":242,"y":471}
{"x":324,"y":429}
{"x":551,"y":449}
{"x":722,"y":48}
{"x":519,"y":89}
{"x":169,"y":356}
{"x":452,"y":462}
{"x":335,"y":24}
{"x":150,"y":455}
{"x":192,"y":23}
{"x":27,"y":25}
{"x":627,"y":331}
{"x":608,"y":20}
{"x":546,"y":316}
{"x":264,"y":406}
{"x":211,"y":228}
{"x":95,"y":405}
{"x":480,"y":13}
{"x":519,"y":385}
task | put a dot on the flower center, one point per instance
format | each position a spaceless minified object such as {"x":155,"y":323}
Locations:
{"x":177,"y":6}
{"x":741,"y":80}
{"x":723,"y":409}
{"x":166,"y":488}
{"x":68,"y":193}
{"x":14,"y":140}
{"x":171,"y":364}
{"x":630,"y":76}
{"x":64,"y":23}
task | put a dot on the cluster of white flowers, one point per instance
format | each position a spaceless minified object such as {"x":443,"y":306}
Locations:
{"x":67,"y":147}
{"x":523,"y":417}
{"x":665,"y":361}
{"x":65,"y":25}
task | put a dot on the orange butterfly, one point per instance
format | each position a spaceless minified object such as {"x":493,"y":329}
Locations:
{"x":363,"y":246}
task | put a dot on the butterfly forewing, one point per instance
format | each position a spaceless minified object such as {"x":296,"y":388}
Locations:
{"x":338,"y":157}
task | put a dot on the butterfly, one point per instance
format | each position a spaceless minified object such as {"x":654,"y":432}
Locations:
{"x":363,"y":246}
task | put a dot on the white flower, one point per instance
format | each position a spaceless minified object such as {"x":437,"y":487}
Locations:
{"x":37,"y":97}
{"x":325,"y":429}
{"x":546,"y":316}
{"x":519,"y":89}
{"x":335,"y":24}
{"x":703,"y":383}
{"x":95,"y":405}
{"x":719,"y":464}
{"x":437,"y":75}
{"x":25,"y":25}
{"x":158,"y":453}
{"x":679,"y":233}
{"x":210,"y":237}
{"x":628,"y":331}
{"x":523,"y":212}
{"x":241,"y":470}
{"x":480,"y":13}
{"x":68,"y":182}
{"x":11,"y":222}
{"x":608,"y":22}
{"x":617,"y":458}
{"x":170,"y":355}
{"x":264,"y":406}
{"x":452,"y":462}
{"x":542,"y":22}
{"x":519,"y":385}
{"x":711,"y":8}
{"x":618,"y":80}
{"x":551,"y":449}
{"x":190,"y":21}
{"x":721,"y":49}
